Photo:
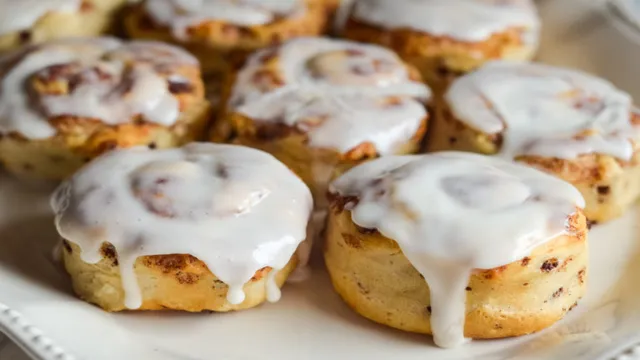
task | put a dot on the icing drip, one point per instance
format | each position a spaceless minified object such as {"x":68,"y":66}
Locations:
{"x":112,"y":82}
{"x":340,"y":93}
{"x":451,"y":213}
{"x":182,"y":14}
{"x":16,"y":15}
{"x":236,"y":209}
{"x":545,"y":111}
{"x":466,"y":20}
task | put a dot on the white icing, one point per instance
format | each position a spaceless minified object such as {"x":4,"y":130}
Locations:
{"x":466,"y":20}
{"x":16,"y":15}
{"x":340,"y":93}
{"x":546,"y":111}
{"x":451,"y":213}
{"x":182,"y":14}
{"x":132,"y":86}
{"x":236,"y":209}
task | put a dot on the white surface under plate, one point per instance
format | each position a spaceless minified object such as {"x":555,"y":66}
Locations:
{"x":38,"y":311}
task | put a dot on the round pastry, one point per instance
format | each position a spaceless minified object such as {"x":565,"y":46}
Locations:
{"x":203,"y":227}
{"x":443,"y":38}
{"x":63,"y":103}
{"x":25,"y":22}
{"x":222,"y":33}
{"x":456,"y":245}
{"x":568,"y":123}
{"x":318,"y":104}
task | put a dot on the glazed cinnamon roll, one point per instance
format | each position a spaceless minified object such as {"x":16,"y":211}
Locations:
{"x":65,"y":102}
{"x":456,"y":245}
{"x":24,"y":22}
{"x":574,"y":125}
{"x":203,"y":227}
{"x":446,"y":38}
{"x":222,"y":33}
{"x":319,"y":105}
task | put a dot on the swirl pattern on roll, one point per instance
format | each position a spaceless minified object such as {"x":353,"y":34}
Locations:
{"x":102,"y":79}
{"x":451,"y":213}
{"x":466,"y":20}
{"x":16,"y":15}
{"x":236,"y":209}
{"x":180,"y":15}
{"x":546,"y":111}
{"x":339,"y":93}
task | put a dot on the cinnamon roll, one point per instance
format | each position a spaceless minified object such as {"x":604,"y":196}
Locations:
{"x":222,"y":33}
{"x":443,"y":38}
{"x":571,"y":124}
{"x":24,"y":22}
{"x":322,"y":105}
{"x":63,"y":103}
{"x":203,"y":227}
{"x":456,"y":245}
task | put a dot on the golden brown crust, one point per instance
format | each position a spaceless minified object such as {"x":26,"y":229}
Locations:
{"x":251,"y":131}
{"x":289,"y":144}
{"x":168,"y":282}
{"x":372,"y":275}
{"x":441,"y":57}
{"x":333,"y":8}
{"x":222,"y":46}
{"x":315,"y":166}
{"x":79,"y":139}
{"x":95,"y":17}
{"x":609,"y":185}
{"x":231,"y":124}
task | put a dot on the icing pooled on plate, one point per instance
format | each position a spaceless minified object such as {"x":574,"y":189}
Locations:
{"x":340,"y":93}
{"x":182,"y":14}
{"x":16,"y":15}
{"x":451,"y":213}
{"x":466,"y":20}
{"x":545,"y":111}
{"x":235,"y":208}
{"x":102,"y":78}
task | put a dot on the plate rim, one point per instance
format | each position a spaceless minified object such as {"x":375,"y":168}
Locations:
{"x":39,"y":346}
{"x":33,"y":341}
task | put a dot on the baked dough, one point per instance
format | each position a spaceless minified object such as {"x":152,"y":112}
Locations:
{"x":168,"y":282}
{"x":202,"y":227}
{"x":322,"y":106}
{"x":577,"y":127}
{"x":336,"y":10}
{"x":27,"y":22}
{"x":450,"y":213}
{"x":374,"y":278}
{"x":65,"y":102}
{"x":446,"y":38}
{"x":222,"y":44}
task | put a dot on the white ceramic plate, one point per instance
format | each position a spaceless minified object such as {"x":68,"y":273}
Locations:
{"x":39,"y":313}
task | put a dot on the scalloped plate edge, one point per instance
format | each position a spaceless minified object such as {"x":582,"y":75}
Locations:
{"x":29,"y":338}
{"x":41,"y":347}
